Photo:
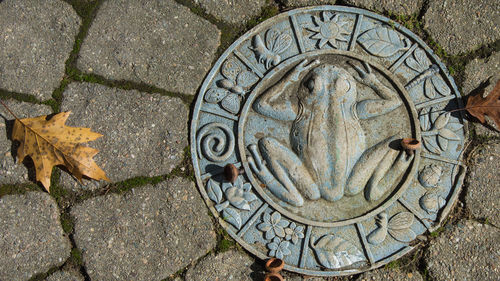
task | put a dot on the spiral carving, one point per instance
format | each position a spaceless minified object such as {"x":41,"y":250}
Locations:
{"x":216,"y":142}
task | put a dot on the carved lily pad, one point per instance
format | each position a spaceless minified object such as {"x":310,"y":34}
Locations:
{"x":334,"y":252}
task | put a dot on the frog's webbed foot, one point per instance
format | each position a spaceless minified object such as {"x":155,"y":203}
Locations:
{"x":387,"y":175}
{"x":290,"y":195}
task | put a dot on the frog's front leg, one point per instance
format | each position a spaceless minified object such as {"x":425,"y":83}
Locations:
{"x":285,"y":174}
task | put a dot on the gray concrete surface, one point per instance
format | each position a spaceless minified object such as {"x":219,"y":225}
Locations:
{"x":36,"y":39}
{"x":32,"y":240}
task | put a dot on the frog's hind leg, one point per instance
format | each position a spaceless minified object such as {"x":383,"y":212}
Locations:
{"x":286,"y":174}
{"x":376,"y":171}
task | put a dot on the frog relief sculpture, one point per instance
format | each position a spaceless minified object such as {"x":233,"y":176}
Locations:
{"x":327,"y":157}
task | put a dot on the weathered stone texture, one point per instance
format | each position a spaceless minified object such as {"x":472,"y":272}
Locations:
{"x":233,"y":11}
{"x":36,"y":38}
{"x":467,"y":251}
{"x":463,"y":25}
{"x":146,"y":234}
{"x":65,"y":276}
{"x":230,"y":265}
{"x":405,"y":7}
{"x":144,"y":134}
{"x":32,"y":240}
{"x":12,"y":172}
{"x":386,"y":274}
{"x":160,"y":43}
{"x":482,"y":197}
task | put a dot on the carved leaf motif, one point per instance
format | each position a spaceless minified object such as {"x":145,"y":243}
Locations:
{"x":448,"y":134}
{"x":403,"y":235}
{"x":214,"y":191}
{"x":425,"y":123}
{"x":335,"y":252}
{"x":431,"y":144}
{"x":231,"y":103}
{"x":401,"y":220}
{"x":382,"y":42}
{"x":442,"y":142}
{"x":232,"y":216}
{"x":441,"y":121}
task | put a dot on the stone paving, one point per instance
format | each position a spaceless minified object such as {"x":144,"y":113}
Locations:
{"x":129,"y":70}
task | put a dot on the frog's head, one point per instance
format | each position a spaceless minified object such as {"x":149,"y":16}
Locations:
{"x":329,"y":80}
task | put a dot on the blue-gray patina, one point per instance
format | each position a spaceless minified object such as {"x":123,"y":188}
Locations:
{"x":312,"y":105}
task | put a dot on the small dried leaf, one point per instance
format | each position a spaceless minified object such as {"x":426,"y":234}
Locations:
{"x":478,"y":106}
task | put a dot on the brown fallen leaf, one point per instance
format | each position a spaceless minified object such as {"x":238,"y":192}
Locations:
{"x":50,"y":143}
{"x":478,"y":106}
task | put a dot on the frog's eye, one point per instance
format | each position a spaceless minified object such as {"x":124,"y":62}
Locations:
{"x":310,"y":84}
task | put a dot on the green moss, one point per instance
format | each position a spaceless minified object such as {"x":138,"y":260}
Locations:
{"x":393,"y":264}
{"x":4,"y":95}
{"x":8,"y":189}
{"x":437,"y":232}
{"x":224,"y":242}
{"x":76,"y":256}
{"x":67,"y":223}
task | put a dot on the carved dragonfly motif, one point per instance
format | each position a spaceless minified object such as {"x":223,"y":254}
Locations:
{"x":269,"y":53}
{"x":233,"y":87}
{"x":432,"y":83}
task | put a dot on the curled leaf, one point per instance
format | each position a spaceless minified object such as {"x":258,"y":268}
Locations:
{"x":480,"y":107}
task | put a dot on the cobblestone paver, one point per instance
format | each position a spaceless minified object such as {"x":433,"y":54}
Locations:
{"x":463,"y":25}
{"x":387,"y":274}
{"x":230,"y":265}
{"x":65,"y":276}
{"x":146,"y":234}
{"x":467,"y":251}
{"x":164,"y":231}
{"x":144,"y":134}
{"x":483,"y":198}
{"x":32,"y":240}
{"x":156,"y":42}
{"x":12,"y":172}
{"x":405,"y":7}
{"x":237,"y":12}
{"x":35,"y":40}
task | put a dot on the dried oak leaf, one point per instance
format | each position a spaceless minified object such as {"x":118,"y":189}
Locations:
{"x":478,"y":106}
{"x":50,"y":143}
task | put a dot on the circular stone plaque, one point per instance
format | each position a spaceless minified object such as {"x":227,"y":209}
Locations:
{"x":312,"y":106}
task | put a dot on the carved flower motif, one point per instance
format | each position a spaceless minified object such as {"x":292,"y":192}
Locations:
{"x":437,"y":131}
{"x":238,"y":194}
{"x":273,"y":225}
{"x":328,"y":29}
{"x":279,"y":248}
{"x":294,"y":232}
